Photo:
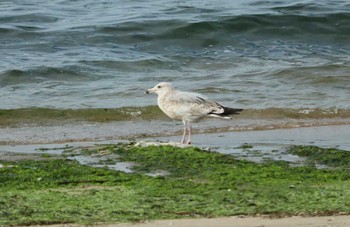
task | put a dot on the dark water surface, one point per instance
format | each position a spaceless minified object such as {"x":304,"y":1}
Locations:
{"x":257,"y":54}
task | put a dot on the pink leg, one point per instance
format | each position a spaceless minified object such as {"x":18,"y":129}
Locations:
{"x":184,"y":135}
{"x":189,"y":133}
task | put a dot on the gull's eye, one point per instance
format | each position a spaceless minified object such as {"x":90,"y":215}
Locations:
{"x":159,"y":86}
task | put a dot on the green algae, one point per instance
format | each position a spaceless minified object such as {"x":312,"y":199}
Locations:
{"x":245,"y":146}
{"x":42,"y":116}
{"x":200,"y":184}
{"x":331,"y":157}
{"x":39,"y":116}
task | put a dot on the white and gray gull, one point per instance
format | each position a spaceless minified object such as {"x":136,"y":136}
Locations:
{"x":188,"y":106}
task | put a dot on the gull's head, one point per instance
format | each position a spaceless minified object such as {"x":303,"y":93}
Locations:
{"x":161,"y":88}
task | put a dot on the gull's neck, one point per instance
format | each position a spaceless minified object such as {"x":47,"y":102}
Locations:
{"x":162,"y":96}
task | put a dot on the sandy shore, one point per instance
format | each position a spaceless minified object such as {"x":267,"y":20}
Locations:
{"x":324,"y":221}
{"x":329,"y":221}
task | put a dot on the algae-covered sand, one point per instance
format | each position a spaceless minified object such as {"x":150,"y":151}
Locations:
{"x":197,"y":183}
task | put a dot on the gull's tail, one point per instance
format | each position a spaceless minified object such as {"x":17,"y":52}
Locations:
{"x":227,"y":111}
{"x":231,"y":111}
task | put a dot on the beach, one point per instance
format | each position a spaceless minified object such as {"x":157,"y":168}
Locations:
{"x":265,"y":146}
{"x":73,"y":76}
{"x":258,"y":146}
{"x":331,"y":221}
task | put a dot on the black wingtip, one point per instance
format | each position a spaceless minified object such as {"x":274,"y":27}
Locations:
{"x":231,"y":111}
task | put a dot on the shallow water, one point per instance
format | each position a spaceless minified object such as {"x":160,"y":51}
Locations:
{"x":270,"y":144}
{"x":134,"y":130}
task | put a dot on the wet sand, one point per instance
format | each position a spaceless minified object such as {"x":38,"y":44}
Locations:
{"x":327,"y":221}
{"x":266,"y":144}
{"x":66,"y":132}
{"x":323,"y":136}
{"x":295,"y":221}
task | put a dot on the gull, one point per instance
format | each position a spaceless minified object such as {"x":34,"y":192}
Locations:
{"x":188,"y":106}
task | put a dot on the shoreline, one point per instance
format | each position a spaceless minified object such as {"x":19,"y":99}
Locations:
{"x":255,"y":145}
{"x":334,"y":135}
{"x":234,"y":221}
{"x":242,"y":221}
{"x":86,"y":132}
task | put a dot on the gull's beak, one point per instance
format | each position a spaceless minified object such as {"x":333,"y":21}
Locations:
{"x":149,"y":91}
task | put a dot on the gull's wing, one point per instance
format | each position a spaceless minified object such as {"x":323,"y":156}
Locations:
{"x":183,"y":97}
{"x":197,"y":104}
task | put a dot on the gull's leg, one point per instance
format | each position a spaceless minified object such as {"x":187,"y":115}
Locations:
{"x":184,"y":134}
{"x":189,"y":133}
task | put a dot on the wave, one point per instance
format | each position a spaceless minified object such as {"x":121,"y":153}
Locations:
{"x":175,"y":21}
{"x":83,"y":54}
{"x":42,"y":73}
{"x":47,"y":116}
{"x":286,"y":25}
{"x":283,"y":24}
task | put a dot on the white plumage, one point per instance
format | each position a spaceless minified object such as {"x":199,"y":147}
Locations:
{"x":188,"y":106}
